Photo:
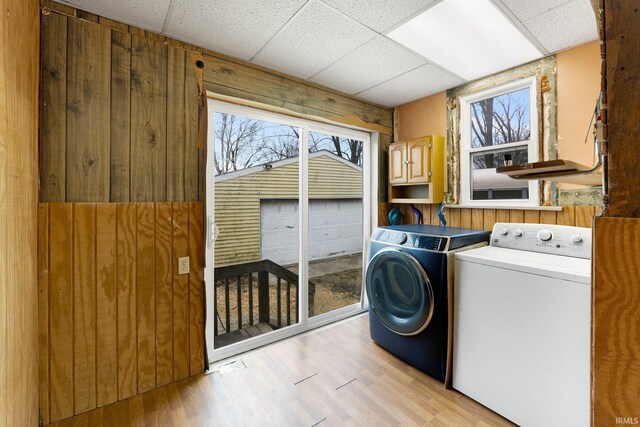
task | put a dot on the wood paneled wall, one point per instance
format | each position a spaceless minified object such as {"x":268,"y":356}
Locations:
{"x":120,"y":108}
{"x":119,"y":114}
{"x":19,"y":31}
{"x":620,"y":84}
{"x":116,"y":319}
{"x":616,"y":321}
{"x":484,"y":219}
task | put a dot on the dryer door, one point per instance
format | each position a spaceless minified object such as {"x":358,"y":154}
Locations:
{"x":399,"y":291}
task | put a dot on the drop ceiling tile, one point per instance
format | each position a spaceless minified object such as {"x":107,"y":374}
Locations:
{"x":415,"y":84}
{"x":571,"y":24}
{"x":379,"y":15}
{"x":147,"y":14}
{"x":375,"y":62}
{"x":526,"y":9}
{"x":312,"y":40}
{"x":238,"y":28}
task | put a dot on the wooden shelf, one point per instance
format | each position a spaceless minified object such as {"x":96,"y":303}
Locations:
{"x":555,"y":170}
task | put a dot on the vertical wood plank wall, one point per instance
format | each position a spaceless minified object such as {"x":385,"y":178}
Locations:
{"x":18,"y":212}
{"x":127,"y":131}
{"x":616,"y":321}
{"x":116,"y":319}
{"x":119,"y":115}
{"x":484,"y":219}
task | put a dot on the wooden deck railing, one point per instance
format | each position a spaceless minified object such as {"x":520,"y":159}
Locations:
{"x":274,"y":285}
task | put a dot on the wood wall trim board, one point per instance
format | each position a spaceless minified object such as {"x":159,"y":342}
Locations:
{"x":244,"y":81}
{"x":146,"y":296}
{"x":120,"y":320}
{"x":19,"y":293}
{"x":88,"y":98}
{"x":148,"y":120}
{"x":84,"y":307}
{"x":53,"y":107}
{"x":106,"y":304}
{"x":176,"y":129}
{"x":61,"y":311}
{"x":180,"y":248}
{"x":43,"y":310}
{"x":616,"y":320}
{"x":126,"y":324}
{"x":193,"y":86}
{"x":120,"y":119}
{"x":386,"y":112}
{"x":622,"y":82}
{"x":164,"y":294}
{"x":196,"y":288}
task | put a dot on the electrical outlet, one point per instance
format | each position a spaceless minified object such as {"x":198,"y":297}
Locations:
{"x":183,"y":265}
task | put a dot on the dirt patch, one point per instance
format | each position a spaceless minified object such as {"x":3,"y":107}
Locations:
{"x":337,"y":290}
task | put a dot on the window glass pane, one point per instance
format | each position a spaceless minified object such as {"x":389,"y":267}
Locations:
{"x":335,"y":222}
{"x":257,"y":213}
{"x":501,"y":119}
{"x":486,"y":184}
{"x":242,"y":142}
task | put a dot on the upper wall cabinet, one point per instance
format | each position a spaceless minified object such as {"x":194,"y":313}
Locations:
{"x":416,"y":170}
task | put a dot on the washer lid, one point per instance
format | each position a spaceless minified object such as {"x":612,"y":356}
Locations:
{"x":560,"y":267}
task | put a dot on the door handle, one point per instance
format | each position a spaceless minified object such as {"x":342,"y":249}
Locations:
{"x":212,"y":231}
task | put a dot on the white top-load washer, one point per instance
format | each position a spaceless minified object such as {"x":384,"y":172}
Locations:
{"x":522,"y":322}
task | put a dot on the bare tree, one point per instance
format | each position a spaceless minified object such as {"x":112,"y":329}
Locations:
{"x":348,"y":149}
{"x":279,"y":146}
{"x":495,"y":121}
{"x":236,"y":140}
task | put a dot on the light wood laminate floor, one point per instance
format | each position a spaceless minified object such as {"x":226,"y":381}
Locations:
{"x":334,"y":376}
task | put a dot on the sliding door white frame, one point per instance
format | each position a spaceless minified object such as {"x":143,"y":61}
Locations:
{"x":370,"y":191}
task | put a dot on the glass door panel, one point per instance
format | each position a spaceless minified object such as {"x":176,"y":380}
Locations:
{"x":256,"y":210}
{"x":335,"y":241}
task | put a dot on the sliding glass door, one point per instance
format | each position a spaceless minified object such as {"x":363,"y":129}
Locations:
{"x":288,"y":220}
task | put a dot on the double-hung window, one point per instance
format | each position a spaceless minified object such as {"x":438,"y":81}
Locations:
{"x":498,"y":127}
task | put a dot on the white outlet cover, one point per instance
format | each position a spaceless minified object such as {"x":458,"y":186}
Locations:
{"x":183,"y":265}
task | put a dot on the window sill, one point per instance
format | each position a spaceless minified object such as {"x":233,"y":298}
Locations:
{"x":522,"y":208}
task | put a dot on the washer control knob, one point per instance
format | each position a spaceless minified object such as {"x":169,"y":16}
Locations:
{"x":517,"y":232}
{"x":503,"y":231}
{"x":545,"y":235}
{"x":576,"y":238}
{"x":401,"y":238}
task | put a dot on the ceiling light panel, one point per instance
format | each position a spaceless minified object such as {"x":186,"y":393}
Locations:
{"x":238,"y":28}
{"x":569,"y":25}
{"x":526,"y":9}
{"x":147,"y":14}
{"x":469,"y":38}
{"x":418,"y":83}
{"x":315,"y":38}
{"x":379,"y":15}
{"x":376,"y":61}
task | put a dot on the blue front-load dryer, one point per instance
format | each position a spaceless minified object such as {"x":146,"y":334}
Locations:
{"x":407,"y":284}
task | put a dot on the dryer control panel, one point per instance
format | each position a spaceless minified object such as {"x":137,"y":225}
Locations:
{"x":545,"y":238}
{"x":410,"y":240}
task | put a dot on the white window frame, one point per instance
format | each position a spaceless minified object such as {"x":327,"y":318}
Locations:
{"x":466,"y":150}
{"x":370,"y":219}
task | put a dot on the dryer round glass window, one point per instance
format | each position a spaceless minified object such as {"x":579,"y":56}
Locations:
{"x":399,"y":292}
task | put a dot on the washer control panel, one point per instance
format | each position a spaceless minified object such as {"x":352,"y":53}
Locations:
{"x":545,"y":238}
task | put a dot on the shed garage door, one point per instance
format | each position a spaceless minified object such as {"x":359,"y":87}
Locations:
{"x":335,"y":229}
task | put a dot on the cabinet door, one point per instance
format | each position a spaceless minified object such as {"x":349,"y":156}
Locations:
{"x":419,"y":151}
{"x":397,"y":163}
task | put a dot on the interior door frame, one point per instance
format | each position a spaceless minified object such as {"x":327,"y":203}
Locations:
{"x":369,"y":200}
